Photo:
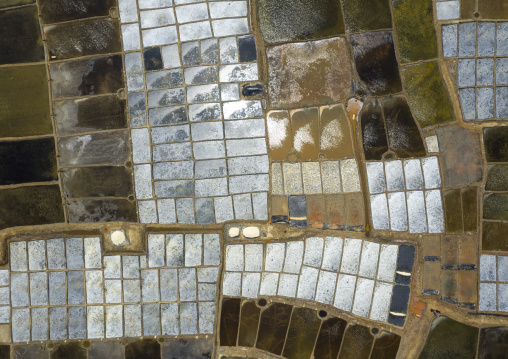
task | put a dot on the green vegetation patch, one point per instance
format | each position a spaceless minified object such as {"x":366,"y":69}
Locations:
{"x":427,"y":94}
{"x":24,"y":101}
{"x":416,"y":36}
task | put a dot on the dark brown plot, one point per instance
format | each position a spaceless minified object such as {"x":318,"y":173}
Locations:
{"x":230,"y":318}
{"x":453,"y":211}
{"x":20,"y":36}
{"x":28,"y":161}
{"x":302,"y":334}
{"x":5,"y":351}
{"x":34,"y":205}
{"x":376,"y":62}
{"x":11,"y":3}
{"x":494,"y":236}
{"x":249,"y":324}
{"x":493,"y":9}
{"x":450,"y":339}
{"x":273,"y":327}
{"x":53,"y":11}
{"x":495,"y":140}
{"x":143,"y":349}
{"x":177,"y":348}
{"x":403,"y":133}
{"x":329,"y":338}
{"x":83,"y":38}
{"x":24,"y":101}
{"x":375,"y":143}
{"x":30,"y":351}
{"x":493,"y":343}
{"x":386,"y":346}
{"x":470,"y":209}
{"x":69,"y":350}
{"x":467,"y":9}
{"x":357,"y":343}
{"x":104,"y":181}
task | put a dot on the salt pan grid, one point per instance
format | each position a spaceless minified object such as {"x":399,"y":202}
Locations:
{"x":493,"y":291}
{"x":199,"y":150}
{"x":406,"y":195}
{"x":67,"y":289}
{"x":482,"y":52}
{"x":364,"y":278}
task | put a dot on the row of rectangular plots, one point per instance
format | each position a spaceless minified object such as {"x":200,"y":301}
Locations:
{"x":342,"y":211}
{"x":297,"y":333}
{"x":402,"y":289}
